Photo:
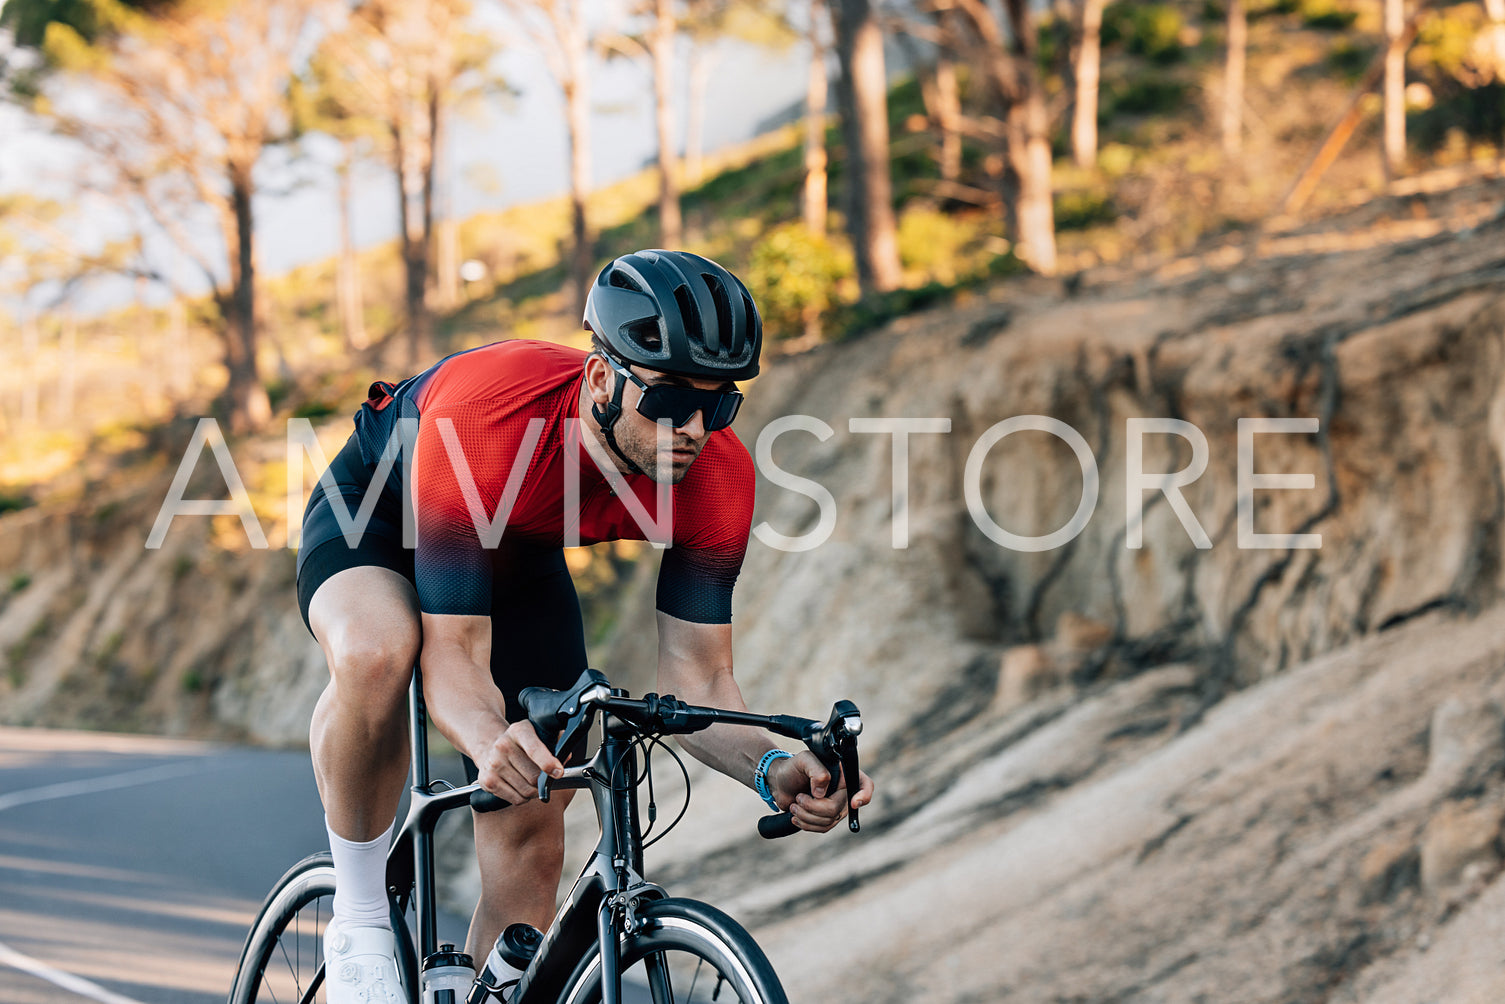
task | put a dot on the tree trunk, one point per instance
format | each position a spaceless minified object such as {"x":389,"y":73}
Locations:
{"x":1088,"y":73}
{"x":67,"y":391}
{"x":249,"y":406}
{"x":1027,"y":171}
{"x":948,"y":111}
{"x":152,"y":388}
{"x":700,"y":77}
{"x":1233,"y":78}
{"x":1395,"y":88}
{"x":409,"y":162}
{"x":178,"y":350}
{"x":661,"y":51}
{"x":576,"y":86}
{"x":348,"y":298}
{"x":6,"y":351}
{"x":433,"y":150}
{"x":863,"y":93}
{"x":815,"y":203}
{"x":447,"y":232}
{"x":30,"y":388}
{"x":447,"y":263}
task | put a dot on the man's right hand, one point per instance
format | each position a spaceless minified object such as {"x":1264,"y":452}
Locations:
{"x":509,"y":768}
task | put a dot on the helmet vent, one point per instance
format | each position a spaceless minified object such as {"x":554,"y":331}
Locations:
{"x":646,"y":334}
{"x":724,"y":322}
{"x":694,"y":323}
{"x":622,"y":280}
{"x":754,"y":323}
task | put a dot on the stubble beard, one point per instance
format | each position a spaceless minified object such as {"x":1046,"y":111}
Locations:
{"x":643,"y":451}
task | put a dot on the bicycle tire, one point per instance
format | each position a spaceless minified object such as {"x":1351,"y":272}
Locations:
{"x":283,"y":953}
{"x":658,"y":953}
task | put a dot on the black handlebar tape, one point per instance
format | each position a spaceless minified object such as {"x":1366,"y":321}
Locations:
{"x":780,"y":824}
{"x":482,"y":800}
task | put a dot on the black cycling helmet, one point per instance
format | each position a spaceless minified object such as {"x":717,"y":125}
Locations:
{"x":676,"y":312}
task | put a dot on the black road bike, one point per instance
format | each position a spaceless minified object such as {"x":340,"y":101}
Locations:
{"x":613,"y":922}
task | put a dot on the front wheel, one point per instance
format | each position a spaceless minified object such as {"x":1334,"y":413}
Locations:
{"x":684,"y":952}
{"x":283,"y":958}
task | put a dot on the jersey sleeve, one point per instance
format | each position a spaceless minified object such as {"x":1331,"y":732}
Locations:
{"x":465,"y":458}
{"x":711,"y":524}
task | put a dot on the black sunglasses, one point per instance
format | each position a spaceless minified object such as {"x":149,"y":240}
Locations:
{"x":678,"y":404}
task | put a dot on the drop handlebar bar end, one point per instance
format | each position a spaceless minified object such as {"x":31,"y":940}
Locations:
{"x":780,"y":824}
{"x":482,"y":800}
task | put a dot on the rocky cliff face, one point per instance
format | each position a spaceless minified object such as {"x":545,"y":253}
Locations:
{"x":1071,"y":805}
{"x":1168,"y":772}
{"x":200,"y":636}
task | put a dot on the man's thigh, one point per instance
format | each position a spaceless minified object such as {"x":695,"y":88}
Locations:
{"x":366,"y":606}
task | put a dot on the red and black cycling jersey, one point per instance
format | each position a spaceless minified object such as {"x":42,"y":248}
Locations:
{"x":496,"y":426}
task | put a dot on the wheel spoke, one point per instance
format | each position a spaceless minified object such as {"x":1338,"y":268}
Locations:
{"x":297,"y":983}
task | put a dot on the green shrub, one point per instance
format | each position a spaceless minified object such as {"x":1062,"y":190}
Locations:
{"x":12,"y":502}
{"x":1471,"y":113}
{"x":1082,"y":209}
{"x":1445,"y":49}
{"x":940,"y":245}
{"x":19,"y":581}
{"x":794,"y":276}
{"x":1349,"y":59}
{"x":1115,"y":159}
{"x":315,"y":409}
{"x":1151,"y":30}
{"x":1146,"y":95}
{"x":1327,"y":15}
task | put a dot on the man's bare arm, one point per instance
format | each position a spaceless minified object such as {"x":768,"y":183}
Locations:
{"x":695,"y":665}
{"x":470,"y":711}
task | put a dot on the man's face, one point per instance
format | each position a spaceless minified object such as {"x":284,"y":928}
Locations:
{"x":638,"y":437}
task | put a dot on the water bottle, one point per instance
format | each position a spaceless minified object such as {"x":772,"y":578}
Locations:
{"x":447,"y":975}
{"x":514,"y":949}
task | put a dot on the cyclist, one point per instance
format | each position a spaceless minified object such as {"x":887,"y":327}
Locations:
{"x":520,"y":447}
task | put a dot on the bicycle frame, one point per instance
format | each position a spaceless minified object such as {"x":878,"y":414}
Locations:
{"x":608,"y":886}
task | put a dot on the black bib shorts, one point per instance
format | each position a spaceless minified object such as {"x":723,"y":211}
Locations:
{"x":537,"y":638}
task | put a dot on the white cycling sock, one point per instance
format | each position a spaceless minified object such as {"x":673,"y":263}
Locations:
{"x":360,"y":869}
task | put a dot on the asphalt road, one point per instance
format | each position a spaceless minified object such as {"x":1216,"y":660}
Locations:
{"x":131,"y":867}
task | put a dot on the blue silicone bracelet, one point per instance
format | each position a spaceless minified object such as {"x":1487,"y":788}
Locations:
{"x":760,"y":776}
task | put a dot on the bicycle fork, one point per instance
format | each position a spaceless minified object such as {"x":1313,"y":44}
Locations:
{"x":612,"y":883}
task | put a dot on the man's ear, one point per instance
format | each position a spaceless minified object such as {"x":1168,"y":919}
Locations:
{"x":598,"y":378}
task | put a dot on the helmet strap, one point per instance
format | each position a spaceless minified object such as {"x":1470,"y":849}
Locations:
{"x":606,"y":417}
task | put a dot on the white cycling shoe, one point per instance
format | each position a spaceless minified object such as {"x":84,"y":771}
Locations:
{"x":360,"y":965}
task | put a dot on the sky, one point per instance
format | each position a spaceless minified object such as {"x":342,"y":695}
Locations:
{"x":511,"y":150}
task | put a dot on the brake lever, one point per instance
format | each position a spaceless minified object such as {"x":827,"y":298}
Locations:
{"x":835,"y":746}
{"x":846,"y":725}
{"x":853,"y":777}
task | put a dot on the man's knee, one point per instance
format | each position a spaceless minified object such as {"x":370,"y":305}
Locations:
{"x":535,"y":833}
{"x":372,"y":664}
{"x":366,"y":620}
{"x":373,"y":661}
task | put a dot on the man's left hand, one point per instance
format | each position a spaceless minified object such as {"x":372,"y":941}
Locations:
{"x":815,"y":800}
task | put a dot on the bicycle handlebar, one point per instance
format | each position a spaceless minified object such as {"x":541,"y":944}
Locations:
{"x":560,"y":716}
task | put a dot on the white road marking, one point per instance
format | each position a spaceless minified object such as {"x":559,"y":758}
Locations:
{"x":109,"y":782}
{"x":72,"y":789}
{"x":76,"y":984}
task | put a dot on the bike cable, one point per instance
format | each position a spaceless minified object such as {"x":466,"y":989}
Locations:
{"x":658,"y":741}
